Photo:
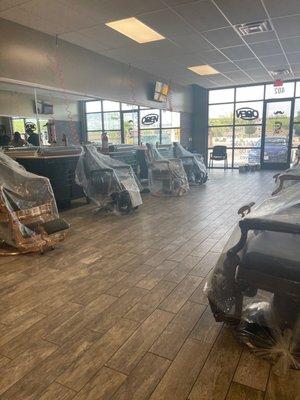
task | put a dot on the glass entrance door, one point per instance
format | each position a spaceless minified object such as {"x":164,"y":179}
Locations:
{"x":275,"y":149}
{"x":130,"y":127}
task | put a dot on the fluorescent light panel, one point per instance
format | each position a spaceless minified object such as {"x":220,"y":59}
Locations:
{"x":135,"y":30}
{"x":204,"y":70}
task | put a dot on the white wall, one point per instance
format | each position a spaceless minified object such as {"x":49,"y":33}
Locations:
{"x":28,"y":55}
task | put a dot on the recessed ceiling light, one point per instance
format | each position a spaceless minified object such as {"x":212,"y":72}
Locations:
{"x":204,"y":70}
{"x":135,"y":30}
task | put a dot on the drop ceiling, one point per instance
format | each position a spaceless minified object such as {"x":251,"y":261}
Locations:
{"x":197,"y":32}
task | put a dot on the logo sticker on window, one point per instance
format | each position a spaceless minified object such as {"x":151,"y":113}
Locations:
{"x":247,"y":113}
{"x":149,"y":119}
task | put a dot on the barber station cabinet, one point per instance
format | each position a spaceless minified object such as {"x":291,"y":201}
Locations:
{"x":61,"y":172}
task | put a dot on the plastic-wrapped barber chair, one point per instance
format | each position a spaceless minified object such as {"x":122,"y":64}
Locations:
{"x":29,"y":220}
{"x":193,"y":164}
{"x":167,"y":177}
{"x":255,"y":285}
{"x":108,"y":182}
{"x":287,"y":178}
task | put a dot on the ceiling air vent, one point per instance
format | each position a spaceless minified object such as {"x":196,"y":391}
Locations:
{"x":254,"y":27}
{"x":280,"y":72}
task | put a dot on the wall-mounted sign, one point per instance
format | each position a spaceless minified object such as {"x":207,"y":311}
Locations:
{"x":247,"y":113}
{"x":150,"y":119}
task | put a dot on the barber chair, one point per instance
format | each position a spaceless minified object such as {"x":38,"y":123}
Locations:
{"x":193,"y":164}
{"x":29,"y":220}
{"x":287,"y":178}
{"x":265,"y":262}
{"x":166,"y":176}
{"x":110,"y":183}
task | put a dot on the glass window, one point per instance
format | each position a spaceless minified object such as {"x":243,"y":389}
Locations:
{"x":125,"y":106}
{"x":298,"y":89}
{"x":249,"y":113}
{"x":250,"y":93}
{"x":150,"y":136}
{"x":114,"y":137}
{"x":297,"y":111}
{"x":94,"y":122}
{"x":170,"y":135}
{"x":221,"y":114}
{"x":286,"y":90}
{"x":94,"y":136}
{"x":149,"y":118}
{"x":247,"y":136}
{"x":220,"y":135}
{"x":221,"y":96}
{"x":111,"y":105}
{"x":296,"y":135}
{"x":170,"y":119}
{"x":93,"y":106}
{"x":246,"y":156}
{"x":111,"y":121}
{"x":18,"y":125}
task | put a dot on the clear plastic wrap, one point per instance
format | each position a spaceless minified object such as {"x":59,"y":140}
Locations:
{"x":167,"y":177}
{"x":108,"y":182}
{"x":255,"y":284}
{"x":193,"y":164}
{"x":287,"y":178}
{"x":29,"y":218}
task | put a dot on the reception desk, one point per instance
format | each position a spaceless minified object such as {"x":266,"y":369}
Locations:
{"x":56,"y":164}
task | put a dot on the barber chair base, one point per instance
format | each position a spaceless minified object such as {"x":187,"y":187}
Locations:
{"x":120,"y":203}
{"x":262,"y":335}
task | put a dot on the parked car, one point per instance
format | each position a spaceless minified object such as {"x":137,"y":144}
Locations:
{"x":276,"y":150}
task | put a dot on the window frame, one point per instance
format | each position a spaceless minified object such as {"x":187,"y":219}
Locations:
{"x":236,"y":102}
{"x":121,"y":111}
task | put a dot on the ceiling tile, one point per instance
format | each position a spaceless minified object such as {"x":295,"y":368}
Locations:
{"x":203,"y":15}
{"x":237,"y":52}
{"x":213,"y":57}
{"x":288,"y":26}
{"x":291,"y":45}
{"x":260,"y":74}
{"x":192,"y":43}
{"x":83,"y":41}
{"x":239,"y":12}
{"x":266,"y":48}
{"x":162,"y":49}
{"x":110,"y":10}
{"x":237,"y":75}
{"x":189,"y":59}
{"x":279,"y":8}
{"x":26,"y":18}
{"x":62,"y":18}
{"x":7,"y":4}
{"x":248,"y":64}
{"x":260,"y":37}
{"x":278,"y":61}
{"x":107,"y":36}
{"x":225,"y":67}
{"x":224,"y":37}
{"x":167,"y":23}
{"x":294,"y":58}
{"x":221,"y":80}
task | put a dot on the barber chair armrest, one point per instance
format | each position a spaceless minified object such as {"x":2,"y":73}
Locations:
{"x":285,"y":177}
{"x":248,"y":224}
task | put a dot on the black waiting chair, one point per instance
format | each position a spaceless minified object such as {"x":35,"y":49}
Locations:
{"x":219,"y":153}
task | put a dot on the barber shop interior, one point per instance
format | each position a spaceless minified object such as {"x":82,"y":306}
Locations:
{"x":149,"y":200}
